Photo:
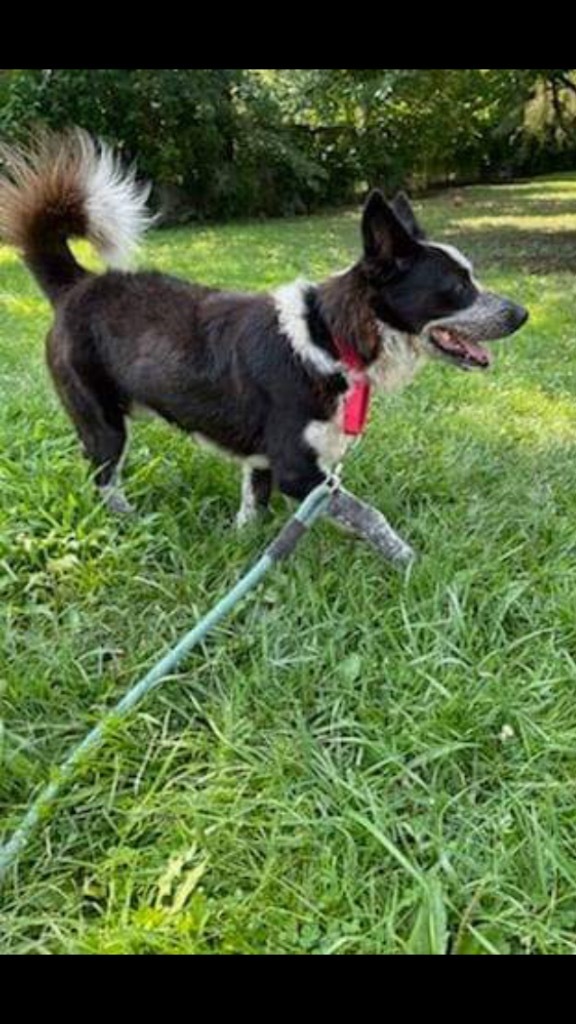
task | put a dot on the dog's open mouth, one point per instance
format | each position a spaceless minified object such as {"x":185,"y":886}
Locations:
{"x":459,"y":349}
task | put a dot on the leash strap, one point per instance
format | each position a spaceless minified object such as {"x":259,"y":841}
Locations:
{"x":311,"y":508}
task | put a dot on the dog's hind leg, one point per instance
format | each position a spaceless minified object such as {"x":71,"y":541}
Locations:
{"x":112,"y":492}
{"x":100,"y":424}
{"x":256,"y":491}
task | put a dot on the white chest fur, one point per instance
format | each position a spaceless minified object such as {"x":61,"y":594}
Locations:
{"x":327,"y":439}
{"x":399,"y":361}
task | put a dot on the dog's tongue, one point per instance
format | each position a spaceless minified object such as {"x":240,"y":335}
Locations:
{"x":460,"y":347}
{"x":479,"y":354}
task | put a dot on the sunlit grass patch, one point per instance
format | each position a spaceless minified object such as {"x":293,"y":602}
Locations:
{"x":7,"y":256}
{"x":543,"y":223}
{"x":525,"y":415}
{"x":22,"y":307}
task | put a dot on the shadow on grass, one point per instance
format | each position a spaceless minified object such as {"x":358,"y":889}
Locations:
{"x":527,"y":227}
{"x":519,"y":249}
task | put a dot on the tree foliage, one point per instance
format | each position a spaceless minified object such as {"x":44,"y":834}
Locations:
{"x":228,"y":142}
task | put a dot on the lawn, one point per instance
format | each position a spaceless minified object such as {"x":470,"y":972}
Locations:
{"x":358,"y":761}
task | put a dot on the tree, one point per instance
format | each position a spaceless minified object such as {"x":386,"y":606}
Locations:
{"x":226,"y":142}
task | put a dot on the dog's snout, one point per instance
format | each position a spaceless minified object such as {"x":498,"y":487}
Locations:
{"x":505,"y":316}
{"x":516,"y":316}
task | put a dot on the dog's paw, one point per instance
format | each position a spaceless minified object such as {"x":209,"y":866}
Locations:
{"x":116,"y":502}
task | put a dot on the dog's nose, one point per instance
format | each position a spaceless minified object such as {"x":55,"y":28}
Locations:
{"x":517,"y":316}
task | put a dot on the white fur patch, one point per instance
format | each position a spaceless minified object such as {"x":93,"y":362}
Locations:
{"x":253,"y":461}
{"x":248,"y":510}
{"x":115,"y":500}
{"x":113,"y":493}
{"x":257,"y":462}
{"x":399,"y":361}
{"x":291,"y":310}
{"x":328,"y":440}
{"x":142,"y":412}
{"x":115,"y":204}
{"x":454,"y":254}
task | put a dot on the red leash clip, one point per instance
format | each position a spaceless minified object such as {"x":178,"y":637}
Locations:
{"x":357,"y":401}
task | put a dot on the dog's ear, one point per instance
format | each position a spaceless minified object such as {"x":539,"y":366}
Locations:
{"x":385,"y":237}
{"x":403,"y":209}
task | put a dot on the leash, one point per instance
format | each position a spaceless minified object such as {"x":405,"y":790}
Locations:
{"x":281,"y":548}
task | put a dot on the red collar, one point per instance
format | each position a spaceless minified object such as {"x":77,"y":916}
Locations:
{"x":357,"y":400}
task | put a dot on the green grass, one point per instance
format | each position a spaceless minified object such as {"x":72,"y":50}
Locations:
{"x":356,"y":762}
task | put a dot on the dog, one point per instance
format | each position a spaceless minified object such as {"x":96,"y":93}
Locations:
{"x":265,"y":378}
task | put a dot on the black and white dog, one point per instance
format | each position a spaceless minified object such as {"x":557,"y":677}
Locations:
{"x":264,"y":377}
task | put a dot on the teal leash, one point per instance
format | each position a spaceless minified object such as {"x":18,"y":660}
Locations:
{"x":311,"y":508}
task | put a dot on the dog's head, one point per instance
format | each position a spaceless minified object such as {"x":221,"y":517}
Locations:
{"x":428,"y":290}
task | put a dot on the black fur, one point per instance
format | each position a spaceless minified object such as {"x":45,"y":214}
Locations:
{"x":207,"y":361}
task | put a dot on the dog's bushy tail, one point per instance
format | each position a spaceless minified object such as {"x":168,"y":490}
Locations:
{"x":63,"y":186}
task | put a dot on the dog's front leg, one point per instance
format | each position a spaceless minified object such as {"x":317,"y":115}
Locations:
{"x":370,"y":525}
{"x":256,"y":491}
